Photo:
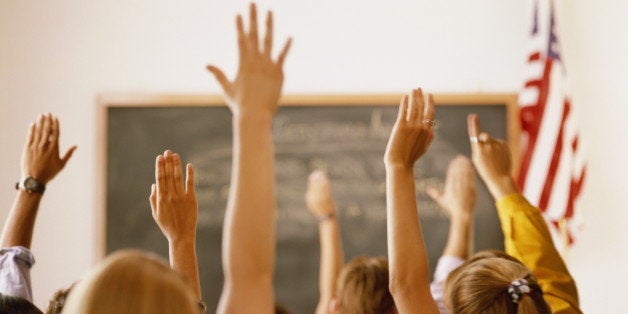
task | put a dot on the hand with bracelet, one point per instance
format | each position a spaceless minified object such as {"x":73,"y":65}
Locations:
{"x":41,"y":163}
{"x":320,"y":202}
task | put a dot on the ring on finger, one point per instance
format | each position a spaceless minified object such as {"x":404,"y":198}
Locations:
{"x":429,"y":122}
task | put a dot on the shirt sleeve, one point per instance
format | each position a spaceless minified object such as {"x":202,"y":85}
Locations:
{"x":527,"y":238}
{"x":15,"y":268}
{"x":445,"y":265}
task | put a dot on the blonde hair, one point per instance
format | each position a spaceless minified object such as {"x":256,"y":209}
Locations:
{"x":131,"y":281}
{"x":362,"y":286}
{"x":481,"y":284}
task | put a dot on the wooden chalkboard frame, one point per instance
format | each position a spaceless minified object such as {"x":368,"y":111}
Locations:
{"x":107,"y":101}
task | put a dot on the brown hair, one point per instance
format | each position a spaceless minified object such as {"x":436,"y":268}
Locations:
{"x":481,"y":284}
{"x":131,"y":281}
{"x":58,"y":300}
{"x":363,"y":286}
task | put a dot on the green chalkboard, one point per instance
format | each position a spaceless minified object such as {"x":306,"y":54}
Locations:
{"x":346,"y":139}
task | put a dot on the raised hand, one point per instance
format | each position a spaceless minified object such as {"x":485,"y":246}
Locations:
{"x":257,"y":85}
{"x":492,"y":160}
{"x":40,"y":157}
{"x":413,"y":131}
{"x":173,"y":203}
{"x":318,"y":196}
{"x":175,"y":210}
{"x":458,"y":197}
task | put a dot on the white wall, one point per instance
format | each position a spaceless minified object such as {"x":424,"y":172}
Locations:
{"x":596,"y":45}
{"x":57,"y":56}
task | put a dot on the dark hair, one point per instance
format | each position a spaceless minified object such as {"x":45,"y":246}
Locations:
{"x":58,"y":300}
{"x":17,"y":305}
{"x":280,"y":309}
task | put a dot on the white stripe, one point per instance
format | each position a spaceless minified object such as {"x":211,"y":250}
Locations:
{"x":546,"y":140}
{"x":534,"y":70}
{"x":529,"y":96}
{"x":557,"y":205}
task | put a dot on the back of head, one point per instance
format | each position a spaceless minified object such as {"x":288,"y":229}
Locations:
{"x":131,"y":282}
{"x":363,"y":287}
{"x":17,"y":305}
{"x":58,"y":300}
{"x":489,"y":285}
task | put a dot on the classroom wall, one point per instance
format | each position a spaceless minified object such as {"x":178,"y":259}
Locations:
{"x":57,"y":56}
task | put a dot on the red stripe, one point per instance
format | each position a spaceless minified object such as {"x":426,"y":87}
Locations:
{"x":531,"y":118}
{"x":533,"y":83}
{"x":534,"y":57}
{"x":574,"y":192}
{"x":555,"y":161}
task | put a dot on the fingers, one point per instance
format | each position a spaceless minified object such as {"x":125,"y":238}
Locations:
{"x":473,"y":126}
{"x":160,"y":174}
{"x":177,"y":174}
{"x":268,"y":39}
{"x":413,"y":113}
{"x":189,"y":180}
{"x":242,"y":44}
{"x":30,"y":138}
{"x":429,"y":109}
{"x":169,"y":170}
{"x":68,"y":155}
{"x":37,"y":130}
{"x":54,"y":133}
{"x":221,"y":78}
{"x":484,"y":137}
{"x":253,"y":39}
{"x":403,"y":109}
{"x":153,"y":198}
{"x":284,"y":52}
{"x":420,"y":101}
{"x":44,"y":131}
{"x":434,"y":194}
{"x":416,"y":107}
{"x":318,"y":176}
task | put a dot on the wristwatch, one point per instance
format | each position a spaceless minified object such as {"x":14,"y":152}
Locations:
{"x":30,"y":185}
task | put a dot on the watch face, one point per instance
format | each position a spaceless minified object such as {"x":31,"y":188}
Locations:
{"x":30,"y":184}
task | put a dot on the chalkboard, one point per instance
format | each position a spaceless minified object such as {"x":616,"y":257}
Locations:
{"x":346,"y":135}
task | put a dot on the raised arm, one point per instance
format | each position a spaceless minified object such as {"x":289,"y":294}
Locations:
{"x":458,"y":200}
{"x":526,"y":236}
{"x":408,"y":264}
{"x":320,"y":202}
{"x":175,"y":210}
{"x":41,"y":163}
{"x":249,"y":230}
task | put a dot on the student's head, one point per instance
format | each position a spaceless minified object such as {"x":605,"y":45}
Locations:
{"x":17,"y":305}
{"x":58,"y":300}
{"x":492,"y":282}
{"x":131,"y":282}
{"x":363,"y":287}
{"x":280,"y":309}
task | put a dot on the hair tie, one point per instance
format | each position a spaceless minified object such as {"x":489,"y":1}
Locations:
{"x":517,"y":289}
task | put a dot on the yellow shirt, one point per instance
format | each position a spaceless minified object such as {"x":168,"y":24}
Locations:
{"x":527,"y":238}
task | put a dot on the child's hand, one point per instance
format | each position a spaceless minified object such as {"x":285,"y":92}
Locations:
{"x":318,"y":196}
{"x":458,"y":197}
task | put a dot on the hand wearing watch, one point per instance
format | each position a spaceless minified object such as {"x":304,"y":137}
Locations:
{"x":30,"y":185}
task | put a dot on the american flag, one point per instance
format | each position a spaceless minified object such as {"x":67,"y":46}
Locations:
{"x":553,"y":167}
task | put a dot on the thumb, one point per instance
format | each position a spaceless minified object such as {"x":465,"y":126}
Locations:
{"x":435,"y":194}
{"x":67,"y":155}
{"x":220,"y":77}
